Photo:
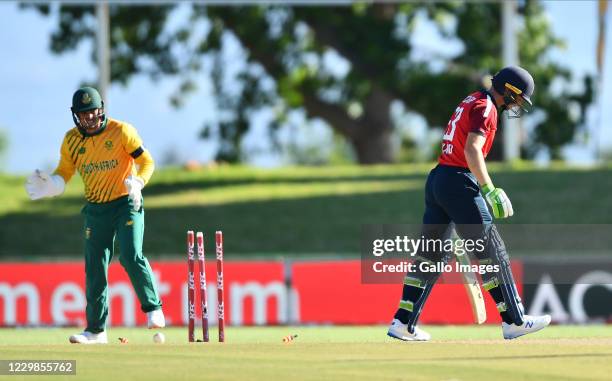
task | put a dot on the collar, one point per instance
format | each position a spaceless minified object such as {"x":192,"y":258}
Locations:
{"x":486,"y":92}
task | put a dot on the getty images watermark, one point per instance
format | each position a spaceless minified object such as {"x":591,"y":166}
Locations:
{"x":406,"y":246}
{"x":576,"y":252}
{"x":389,"y":252}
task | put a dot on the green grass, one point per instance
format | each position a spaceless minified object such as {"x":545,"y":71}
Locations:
{"x":327,"y":353}
{"x":290,"y":211}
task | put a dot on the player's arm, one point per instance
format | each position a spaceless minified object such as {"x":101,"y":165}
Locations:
{"x":41,"y":184}
{"x":66,"y":167}
{"x":133,"y":145}
{"x":496,"y":197}
{"x":145,"y":163}
{"x":475,"y":159}
{"x":145,"y":166}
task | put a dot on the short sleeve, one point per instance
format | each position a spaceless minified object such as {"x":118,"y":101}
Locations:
{"x":483,"y":117}
{"x":130,"y":139}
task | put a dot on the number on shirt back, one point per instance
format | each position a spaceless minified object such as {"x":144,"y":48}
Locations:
{"x":452,"y":125}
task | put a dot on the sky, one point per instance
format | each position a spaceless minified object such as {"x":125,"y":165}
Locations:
{"x":36,"y":88}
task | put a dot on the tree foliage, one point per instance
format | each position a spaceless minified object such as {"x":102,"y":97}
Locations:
{"x":4,"y":144}
{"x":289,"y":58}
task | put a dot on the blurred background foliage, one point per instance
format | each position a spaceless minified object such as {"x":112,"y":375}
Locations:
{"x":4,"y":145}
{"x":342,"y":66}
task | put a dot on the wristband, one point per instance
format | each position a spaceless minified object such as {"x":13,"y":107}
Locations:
{"x":487,"y":188}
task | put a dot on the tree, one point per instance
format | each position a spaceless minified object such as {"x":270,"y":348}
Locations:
{"x":284,"y":64}
{"x":4,"y":144}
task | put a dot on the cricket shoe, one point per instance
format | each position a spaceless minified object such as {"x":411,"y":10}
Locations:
{"x":86,"y":337}
{"x":399,"y":330}
{"x":530,"y":324}
{"x":155,"y":319}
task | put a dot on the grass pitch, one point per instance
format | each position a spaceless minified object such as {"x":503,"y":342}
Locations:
{"x":326,"y":353}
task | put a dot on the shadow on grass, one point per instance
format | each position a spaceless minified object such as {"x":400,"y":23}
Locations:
{"x":165,"y":187}
{"x":202,"y":184}
{"x":317,"y":225}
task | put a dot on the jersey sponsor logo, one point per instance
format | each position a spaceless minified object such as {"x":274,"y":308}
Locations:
{"x":98,"y":166}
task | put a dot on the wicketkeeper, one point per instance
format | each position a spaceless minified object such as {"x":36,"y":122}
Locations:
{"x":455,"y":192}
{"x":114,"y":166}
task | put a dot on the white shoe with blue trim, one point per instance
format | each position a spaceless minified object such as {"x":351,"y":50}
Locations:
{"x":530,"y":324}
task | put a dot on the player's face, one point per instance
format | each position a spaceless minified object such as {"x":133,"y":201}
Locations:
{"x":90,"y":120}
{"x":518,"y":107}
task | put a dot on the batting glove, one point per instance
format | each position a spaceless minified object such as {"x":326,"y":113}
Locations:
{"x":134,"y":185}
{"x":40,"y":185}
{"x":499,"y":201}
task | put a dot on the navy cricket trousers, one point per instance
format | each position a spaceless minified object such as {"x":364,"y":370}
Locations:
{"x":452,"y":194}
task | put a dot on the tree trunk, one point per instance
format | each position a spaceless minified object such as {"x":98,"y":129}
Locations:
{"x":374,"y":149}
{"x":372,"y":141}
{"x":370,"y":135}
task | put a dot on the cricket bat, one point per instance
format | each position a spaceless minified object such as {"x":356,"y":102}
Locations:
{"x":472,"y":287}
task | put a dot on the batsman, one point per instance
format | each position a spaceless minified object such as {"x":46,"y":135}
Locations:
{"x":114,"y":166}
{"x":456,"y":194}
